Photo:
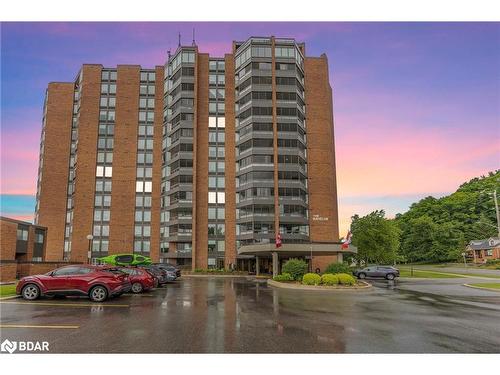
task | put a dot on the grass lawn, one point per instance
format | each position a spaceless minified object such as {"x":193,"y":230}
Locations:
{"x":7,"y":290}
{"x":487,"y":285}
{"x":444,"y":273}
{"x":403,"y":272}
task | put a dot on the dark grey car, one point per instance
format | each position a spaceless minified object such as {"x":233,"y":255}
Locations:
{"x":388,"y":272}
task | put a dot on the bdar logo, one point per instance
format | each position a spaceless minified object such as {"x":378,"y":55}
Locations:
{"x":8,"y":346}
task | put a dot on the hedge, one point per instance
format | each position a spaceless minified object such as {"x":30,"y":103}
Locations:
{"x":295,"y":267}
{"x":346,"y":279}
{"x":311,"y":279}
{"x":283,"y":277}
{"x":329,"y":279}
{"x":335,"y":268}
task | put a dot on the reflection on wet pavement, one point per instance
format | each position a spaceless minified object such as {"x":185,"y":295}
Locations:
{"x":217,"y":315}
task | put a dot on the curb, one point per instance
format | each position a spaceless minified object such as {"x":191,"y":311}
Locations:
{"x":9,"y":297}
{"x":320,"y":288}
{"x":480,"y":287}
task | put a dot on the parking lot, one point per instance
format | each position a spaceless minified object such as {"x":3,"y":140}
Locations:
{"x":212,"y":315}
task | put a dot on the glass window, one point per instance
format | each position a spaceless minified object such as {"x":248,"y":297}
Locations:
{"x":212,"y":197}
{"x":22,"y":234}
{"x":212,"y":122}
{"x":221,"y":197}
{"x":212,"y":182}
{"x":212,"y":213}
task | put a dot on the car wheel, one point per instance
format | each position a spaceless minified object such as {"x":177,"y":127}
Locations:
{"x":137,"y":288}
{"x":362,"y":275}
{"x":389,"y":276}
{"x":30,"y":292}
{"x":98,"y":294}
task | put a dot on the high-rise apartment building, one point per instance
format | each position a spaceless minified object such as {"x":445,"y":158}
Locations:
{"x":201,"y":162}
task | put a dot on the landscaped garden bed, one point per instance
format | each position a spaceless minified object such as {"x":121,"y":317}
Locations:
{"x":336,"y":277}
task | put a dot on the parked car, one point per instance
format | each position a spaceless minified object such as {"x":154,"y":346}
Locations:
{"x":125,"y":260}
{"x":387,"y":272}
{"x":98,"y":283}
{"x":140,"y":279}
{"x":159,"y":273}
{"x":169,"y":267}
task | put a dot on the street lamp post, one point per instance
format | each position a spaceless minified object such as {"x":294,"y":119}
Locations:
{"x":89,"y":251}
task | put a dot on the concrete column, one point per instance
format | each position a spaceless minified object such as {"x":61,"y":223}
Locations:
{"x":257,"y":266}
{"x":340,"y":258}
{"x":275,"y":264}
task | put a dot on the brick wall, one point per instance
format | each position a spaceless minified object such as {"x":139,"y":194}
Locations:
{"x":55,"y":168}
{"x":322,"y":183}
{"x":230,"y":166}
{"x":121,"y":235}
{"x":8,"y":239}
{"x":8,"y":271}
{"x":157,"y":160}
{"x":200,"y":163}
{"x":86,"y":164}
{"x":320,"y":152}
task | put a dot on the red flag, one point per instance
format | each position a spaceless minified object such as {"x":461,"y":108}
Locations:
{"x":347,"y":240}
{"x":278,"y":240}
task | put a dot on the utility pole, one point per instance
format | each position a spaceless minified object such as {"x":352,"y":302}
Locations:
{"x":498,"y":212}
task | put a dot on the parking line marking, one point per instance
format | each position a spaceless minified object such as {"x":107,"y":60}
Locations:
{"x":62,"y":304}
{"x":35,"y":326}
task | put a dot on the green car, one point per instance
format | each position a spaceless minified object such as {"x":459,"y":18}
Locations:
{"x":126,"y":260}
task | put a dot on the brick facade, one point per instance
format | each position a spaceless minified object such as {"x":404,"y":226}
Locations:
{"x":121,"y":231}
{"x":321,"y":173}
{"x":200,"y":165}
{"x":54,"y":170}
{"x":230,"y":170}
{"x":86,"y":163}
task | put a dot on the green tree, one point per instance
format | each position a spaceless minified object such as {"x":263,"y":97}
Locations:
{"x":437,"y":229}
{"x":376,"y":237}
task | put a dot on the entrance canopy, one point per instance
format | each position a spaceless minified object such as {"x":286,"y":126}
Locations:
{"x":297,"y":249}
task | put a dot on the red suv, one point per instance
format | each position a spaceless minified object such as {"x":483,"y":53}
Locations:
{"x":139,"y":278}
{"x":98,"y":283}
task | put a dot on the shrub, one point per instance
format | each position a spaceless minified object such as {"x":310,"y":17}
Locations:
{"x":199,"y":270}
{"x":296,"y":268}
{"x":334,"y":268}
{"x":283,"y":277}
{"x":346,"y":279}
{"x":311,"y":279}
{"x":329,"y":279}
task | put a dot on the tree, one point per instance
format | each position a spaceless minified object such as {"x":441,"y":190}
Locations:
{"x":376,"y":237}
{"x":430,"y":242}
{"x":437,"y":230}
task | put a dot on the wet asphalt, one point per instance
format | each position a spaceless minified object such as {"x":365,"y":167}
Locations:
{"x":236,"y":315}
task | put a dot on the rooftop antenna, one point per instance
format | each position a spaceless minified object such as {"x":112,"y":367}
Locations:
{"x":194,"y":43}
{"x":179,"y":40}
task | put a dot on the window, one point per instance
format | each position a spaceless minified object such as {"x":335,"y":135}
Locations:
{"x":221,"y":197}
{"x":22,"y":234}
{"x":212,"y":122}
{"x":212,"y":197}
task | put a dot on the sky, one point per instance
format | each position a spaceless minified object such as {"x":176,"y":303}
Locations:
{"x":416,"y":105}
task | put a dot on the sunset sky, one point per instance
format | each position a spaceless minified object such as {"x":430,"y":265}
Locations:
{"x":416,"y":105}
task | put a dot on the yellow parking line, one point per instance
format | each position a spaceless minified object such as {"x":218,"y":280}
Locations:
{"x":35,"y":326}
{"x":62,"y":304}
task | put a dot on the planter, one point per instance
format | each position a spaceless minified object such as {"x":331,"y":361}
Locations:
{"x":361,"y":285}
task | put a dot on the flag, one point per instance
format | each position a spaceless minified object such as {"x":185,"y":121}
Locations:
{"x":347,"y":240}
{"x":278,"y":240}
